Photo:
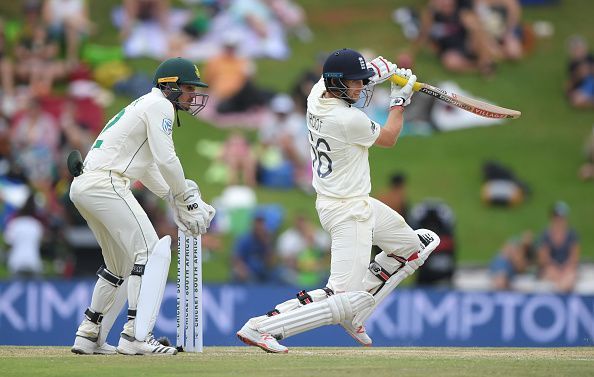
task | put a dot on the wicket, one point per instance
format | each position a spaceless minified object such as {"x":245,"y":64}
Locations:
{"x":189,"y":293}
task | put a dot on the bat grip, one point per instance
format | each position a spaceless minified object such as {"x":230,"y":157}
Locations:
{"x":401,"y":81}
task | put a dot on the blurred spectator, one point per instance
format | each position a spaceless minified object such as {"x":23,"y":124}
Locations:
{"x":395,"y":195}
{"x":502,"y":20}
{"x":580,"y":85}
{"x":74,"y":136}
{"x":24,"y":233}
{"x":586,"y":171}
{"x":144,"y":27}
{"x":239,"y":160}
{"x":68,"y":22}
{"x":301,"y":250}
{"x":35,"y":138}
{"x":559,"y":250}
{"x":283,"y":140}
{"x":512,"y":259}
{"x":253,"y":253}
{"x":292,"y":17}
{"x":230,"y":80}
{"x":501,"y":187}
{"x":440,"y":267}
{"x":36,"y":64}
{"x":8,"y":167}
{"x":454,"y":30}
{"x":262,"y":33}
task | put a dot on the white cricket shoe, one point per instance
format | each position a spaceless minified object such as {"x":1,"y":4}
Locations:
{"x":86,"y":346}
{"x":267,"y":342}
{"x":130,"y":346}
{"x":358,"y":333}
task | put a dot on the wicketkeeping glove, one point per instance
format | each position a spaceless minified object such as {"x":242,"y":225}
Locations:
{"x":191,"y":214}
{"x":383,"y":69}
{"x":401,"y":95}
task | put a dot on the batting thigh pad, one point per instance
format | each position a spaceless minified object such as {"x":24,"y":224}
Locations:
{"x":335,"y":309}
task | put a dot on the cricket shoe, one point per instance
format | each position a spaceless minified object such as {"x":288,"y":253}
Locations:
{"x":130,"y":346}
{"x":358,"y":333}
{"x":87,"y":346}
{"x":267,"y":342}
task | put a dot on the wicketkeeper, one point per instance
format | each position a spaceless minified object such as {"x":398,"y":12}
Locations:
{"x":137,"y":144}
{"x":340,"y":136}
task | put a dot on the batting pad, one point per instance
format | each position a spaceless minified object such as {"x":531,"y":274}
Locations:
{"x":152,"y":288}
{"x":428,"y":242}
{"x":335,"y":309}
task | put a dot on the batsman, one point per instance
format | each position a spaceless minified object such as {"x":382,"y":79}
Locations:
{"x":137,"y":144}
{"x":340,"y":136}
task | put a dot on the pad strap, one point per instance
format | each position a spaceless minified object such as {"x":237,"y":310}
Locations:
{"x":131,"y":314}
{"x":138,"y":270}
{"x":304,"y":298}
{"x":379,"y":271}
{"x":273,"y":312}
{"x":94,"y":317}
{"x":109,"y":276}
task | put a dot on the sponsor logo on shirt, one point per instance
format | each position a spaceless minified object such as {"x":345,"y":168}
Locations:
{"x":373,"y":127}
{"x":167,"y":126}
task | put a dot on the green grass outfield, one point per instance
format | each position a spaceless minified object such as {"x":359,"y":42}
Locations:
{"x":327,"y":362}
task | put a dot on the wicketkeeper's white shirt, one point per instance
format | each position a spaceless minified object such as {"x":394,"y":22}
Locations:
{"x":137,"y":143}
{"x":340,"y":136}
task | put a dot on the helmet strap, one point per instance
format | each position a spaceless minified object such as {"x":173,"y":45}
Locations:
{"x":177,"y":117}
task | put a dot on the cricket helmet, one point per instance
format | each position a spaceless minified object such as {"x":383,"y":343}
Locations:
{"x":346,"y":64}
{"x":174,"y":72}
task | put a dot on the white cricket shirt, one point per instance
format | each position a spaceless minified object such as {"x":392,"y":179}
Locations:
{"x":137,"y":143}
{"x":340,"y":136}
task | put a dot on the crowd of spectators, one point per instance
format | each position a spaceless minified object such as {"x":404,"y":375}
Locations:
{"x":553,"y":256}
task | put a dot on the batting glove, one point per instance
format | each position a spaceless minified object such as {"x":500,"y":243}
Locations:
{"x":401,"y":95}
{"x":383,"y":70}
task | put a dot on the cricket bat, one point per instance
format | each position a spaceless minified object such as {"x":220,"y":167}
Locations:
{"x":474,"y":106}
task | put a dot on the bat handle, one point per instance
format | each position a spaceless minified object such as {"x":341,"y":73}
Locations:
{"x":399,"y":80}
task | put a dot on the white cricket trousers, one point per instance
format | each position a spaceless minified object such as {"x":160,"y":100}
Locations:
{"x":121,"y":226}
{"x":354,"y":225}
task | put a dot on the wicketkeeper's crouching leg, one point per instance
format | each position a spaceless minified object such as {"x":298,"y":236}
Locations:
{"x":144,"y":288}
{"x":265,"y":331}
{"x":104,"y":294}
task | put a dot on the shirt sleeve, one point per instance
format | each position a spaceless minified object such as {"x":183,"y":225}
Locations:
{"x":159,"y":121}
{"x":154,"y":181}
{"x":359,"y":129}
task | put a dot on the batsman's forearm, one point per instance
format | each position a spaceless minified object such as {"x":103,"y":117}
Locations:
{"x":393,"y":127}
